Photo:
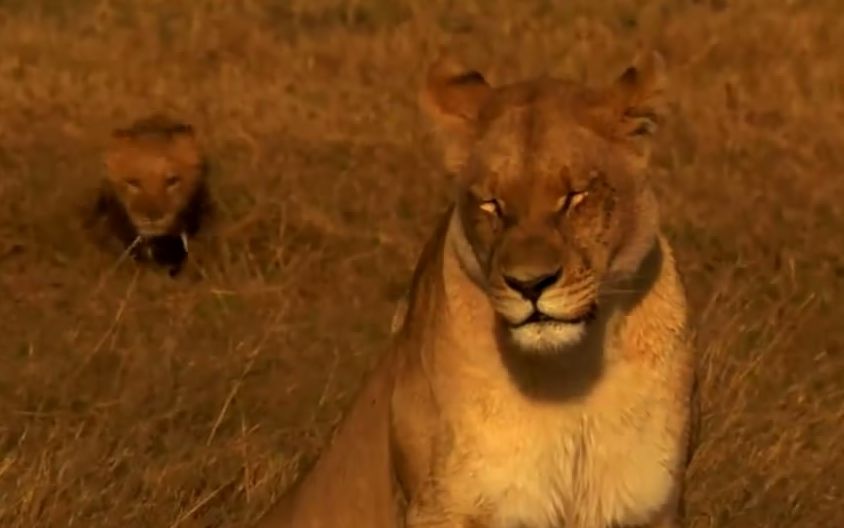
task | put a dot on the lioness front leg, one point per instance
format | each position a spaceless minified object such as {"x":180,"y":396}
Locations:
{"x":435,"y":514}
{"x":668,"y":518}
{"x":437,"y":520}
{"x":663,"y":522}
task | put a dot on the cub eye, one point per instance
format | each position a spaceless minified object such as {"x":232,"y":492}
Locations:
{"x":172,"y":181}
{"x":492,"y":207}
{"x":570,"y":200}
{"x":133,"y":184}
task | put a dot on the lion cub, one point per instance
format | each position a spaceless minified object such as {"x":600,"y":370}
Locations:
{"x":541,"y":375}
{"x":154,"y":195}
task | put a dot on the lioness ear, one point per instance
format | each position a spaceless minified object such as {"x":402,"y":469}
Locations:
{"x":638,"y":103}
{"x":452,"y":97}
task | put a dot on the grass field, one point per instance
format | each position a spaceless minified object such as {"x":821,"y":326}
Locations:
{"x":128,"y":399}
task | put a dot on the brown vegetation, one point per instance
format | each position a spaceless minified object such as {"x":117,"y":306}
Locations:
{"x":128,"y":398}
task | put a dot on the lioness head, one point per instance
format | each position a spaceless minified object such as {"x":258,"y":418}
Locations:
{"x":553,"y":203}
{"x":154,"y":168}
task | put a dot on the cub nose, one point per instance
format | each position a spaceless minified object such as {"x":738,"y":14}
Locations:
{"x":151,"y":212}
{"x":531,"y":288}
{"x":155,"y":215}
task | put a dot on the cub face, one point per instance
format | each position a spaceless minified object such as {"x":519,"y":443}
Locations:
{"x":552,"y":196}
{"x":154,"y":169}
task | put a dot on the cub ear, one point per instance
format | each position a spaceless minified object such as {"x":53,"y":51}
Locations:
{"x":113,"y":157}
{"x":185,"y":146}
{"x":638,"y":105}
{"x":452,"y":97}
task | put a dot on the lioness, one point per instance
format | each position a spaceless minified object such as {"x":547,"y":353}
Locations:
{"x":541,"y":374}
{"x":154,"y":195}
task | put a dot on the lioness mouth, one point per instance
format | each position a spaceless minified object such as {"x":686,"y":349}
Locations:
{"x":540,"y":317}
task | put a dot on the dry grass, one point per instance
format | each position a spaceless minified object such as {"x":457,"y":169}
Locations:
{"x":129,"y":399}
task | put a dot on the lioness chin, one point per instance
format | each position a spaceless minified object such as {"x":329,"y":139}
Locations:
{"x":541,"y":375}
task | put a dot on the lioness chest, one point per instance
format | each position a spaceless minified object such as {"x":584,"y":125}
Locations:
{"x":606,"y":460}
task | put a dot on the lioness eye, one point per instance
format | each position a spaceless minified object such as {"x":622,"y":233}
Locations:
{"x":172,"y":181}
{"x":576,"y":198}
{"x":133,"y":184}
{"x":572,"y":199}
{"x":491,"y":206}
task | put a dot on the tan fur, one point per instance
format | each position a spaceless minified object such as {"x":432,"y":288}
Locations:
{"x":541,"y":374}
{"x":399,"y":313}
{"x":154,"y":169}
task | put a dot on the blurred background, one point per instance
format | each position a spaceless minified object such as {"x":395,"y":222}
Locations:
{"x":129,"y":399}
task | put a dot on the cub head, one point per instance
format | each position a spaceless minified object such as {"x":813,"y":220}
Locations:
{"x":553,"y":201}
{"x":154,"y":168}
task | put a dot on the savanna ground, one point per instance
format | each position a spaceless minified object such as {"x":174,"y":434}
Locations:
{"x":128,"y":399}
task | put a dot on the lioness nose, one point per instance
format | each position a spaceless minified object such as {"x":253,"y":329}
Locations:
{"x":531,"y":288}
